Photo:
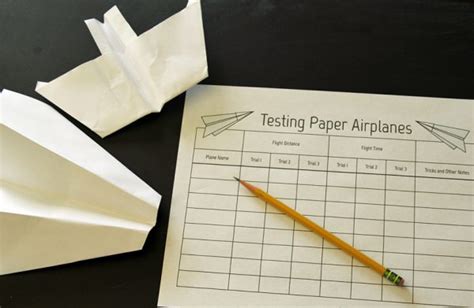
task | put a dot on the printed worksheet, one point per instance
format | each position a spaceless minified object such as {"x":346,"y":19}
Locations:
{"x":391,"y":175}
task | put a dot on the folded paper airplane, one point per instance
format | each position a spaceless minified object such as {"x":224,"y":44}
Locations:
{"x":216,"y":124}
{"x":453,"y":137}
{"x":135,"y":75}
{"x":62,"y":197}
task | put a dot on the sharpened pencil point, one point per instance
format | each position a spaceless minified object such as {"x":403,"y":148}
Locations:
{"x":236,"y":178}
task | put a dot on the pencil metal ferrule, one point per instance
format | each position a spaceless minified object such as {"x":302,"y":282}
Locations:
{"x":393,"y":277}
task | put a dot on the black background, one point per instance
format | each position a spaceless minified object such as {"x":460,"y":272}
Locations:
{"x":406,"y":47}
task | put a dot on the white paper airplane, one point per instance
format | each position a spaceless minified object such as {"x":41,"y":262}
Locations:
{"x":136,"y":74}
{"x":451,"y":136}
{"x":216,"y":124}
{"x":63,"y":198}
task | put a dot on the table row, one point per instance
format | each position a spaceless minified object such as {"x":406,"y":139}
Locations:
{"x":425,"y":227}
{"x":290,"y":238}
{"x":332,"y":146}
{"x":315,"y":163}
{"x":323,"y":288}
{"x":324,"y":271}
{"x":330,"y":255}
{"x":425,"y":195}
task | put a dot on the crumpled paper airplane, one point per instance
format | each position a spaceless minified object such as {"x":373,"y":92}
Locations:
{"x":216,"y":124}
{"x":453,"y":137}
{"x":135,"y":75}
{"x":62,"y":197}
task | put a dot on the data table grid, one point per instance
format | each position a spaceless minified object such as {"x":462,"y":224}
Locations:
{"x":391,"y":198}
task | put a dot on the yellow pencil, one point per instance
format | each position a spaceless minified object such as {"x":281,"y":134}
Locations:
{"x":363,"y":258}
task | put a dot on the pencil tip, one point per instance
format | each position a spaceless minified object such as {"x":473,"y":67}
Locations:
{"x":236,"y":178}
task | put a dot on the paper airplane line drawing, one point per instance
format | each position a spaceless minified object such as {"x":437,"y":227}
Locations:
{"x":217,"y":123}
{"x":453,"y":137}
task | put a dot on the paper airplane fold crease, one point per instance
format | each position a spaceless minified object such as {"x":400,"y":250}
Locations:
{"x":135,"y":75}
{"x":62,"y":197}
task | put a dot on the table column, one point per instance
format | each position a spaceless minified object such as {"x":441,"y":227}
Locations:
{"x":307,"y":246}
{"x":278,"y":234}
{"x":444,"y":225}
{"x":369,"y":226}
{"x":249,"y":224}
{"x":339,"y":219}
{"x":399,"y":228}
{"x":210,"y":212}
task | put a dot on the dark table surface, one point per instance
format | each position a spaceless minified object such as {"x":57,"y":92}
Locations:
{"x":406,"y":47}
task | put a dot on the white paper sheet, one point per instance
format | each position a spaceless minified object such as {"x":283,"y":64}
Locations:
{"x":391,"y":175}
{"x":135,"y":75}
{"x":62,"y":197}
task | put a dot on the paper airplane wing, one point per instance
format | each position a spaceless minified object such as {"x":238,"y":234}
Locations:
{"x":453,"y":137}
{"x":450,"y":140}
{"x":216,"y":124}
{"x":62,"y":197}
{"x":135,"y":75}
